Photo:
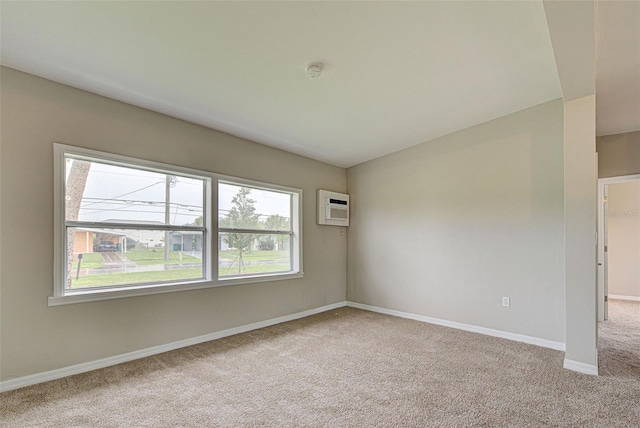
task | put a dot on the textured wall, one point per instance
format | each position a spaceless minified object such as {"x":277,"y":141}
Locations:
{"x":447,"y":228}
{"x":624,"y":239}
{"x":580,"y":180}
{"x":35,"y":337}
{"x":618,"y":154}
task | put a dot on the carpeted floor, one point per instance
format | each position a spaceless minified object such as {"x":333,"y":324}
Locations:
{"x":349,"y":368}
{"x":619,"y":341}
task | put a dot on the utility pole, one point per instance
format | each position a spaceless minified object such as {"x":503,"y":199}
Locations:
{"x":167,"y":216}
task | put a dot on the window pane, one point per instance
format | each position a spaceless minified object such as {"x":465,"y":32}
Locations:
{"x":106,"y":257}
{"x":250,"y":254}
{"x":107,"y":193}
{"x":244,"y":207}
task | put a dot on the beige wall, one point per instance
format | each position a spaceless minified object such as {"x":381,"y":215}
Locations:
{"x":447,"y":228}
{"x":618,"y":154}
{"x":36,"y":338}
{"x":83,"y":242}
{"x":580,"y":180}
{"x":624,"y":239}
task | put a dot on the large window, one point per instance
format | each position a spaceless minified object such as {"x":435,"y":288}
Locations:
{"x":128,"y":227}
{"x":255,"y":230}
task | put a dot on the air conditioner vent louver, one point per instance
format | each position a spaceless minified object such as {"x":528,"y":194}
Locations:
{"x":337,"y":214}
{"x":333,"y":208}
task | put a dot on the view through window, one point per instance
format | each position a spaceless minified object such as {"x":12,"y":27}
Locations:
{"x":131,"y":226}
{"x":255,"y":230}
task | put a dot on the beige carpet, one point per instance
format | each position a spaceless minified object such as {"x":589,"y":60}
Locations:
{"x":348,"y":368}
{"x":619,"y":341}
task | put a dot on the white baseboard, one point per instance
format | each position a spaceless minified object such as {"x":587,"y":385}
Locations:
{"x":20,"y":382}
{"x":579,"y":367}
{"x":621,"y":297}
{"x":558,"y":346}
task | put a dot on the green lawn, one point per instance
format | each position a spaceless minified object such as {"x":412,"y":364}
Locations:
{"x":141,"y":257}
{"x":279,"y":259}
{"x":276,"y":267}
{"x":89,"y":260}
{"x":279,"y":262}
{"x":256,"y":255}
{"x":156,"y":257}
{"x":135,"y":277}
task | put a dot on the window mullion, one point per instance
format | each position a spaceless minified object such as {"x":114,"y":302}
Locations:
{"x":255,"y":231}
{"x":130,"y":269}
{"x":104,"y":225}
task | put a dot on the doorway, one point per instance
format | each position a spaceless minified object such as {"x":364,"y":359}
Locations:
{"x":619,"y":275}
{"x":619,"y":243}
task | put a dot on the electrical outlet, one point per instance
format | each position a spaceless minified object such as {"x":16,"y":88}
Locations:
{"x":343,"y":231}
{"x":506,"y":302}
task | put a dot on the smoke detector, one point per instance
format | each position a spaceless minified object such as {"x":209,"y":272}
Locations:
{"x":314,"y":70}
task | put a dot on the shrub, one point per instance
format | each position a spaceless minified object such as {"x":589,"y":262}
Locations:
{"x":266,"y":245}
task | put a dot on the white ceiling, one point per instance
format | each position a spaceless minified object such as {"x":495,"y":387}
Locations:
{"x":396,"y":73}
{"x":617,"y":67}
{"x":571,"y":26}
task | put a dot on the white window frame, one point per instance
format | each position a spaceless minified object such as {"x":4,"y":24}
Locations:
{"x":295,"y":234}
{"x":62,"y":296}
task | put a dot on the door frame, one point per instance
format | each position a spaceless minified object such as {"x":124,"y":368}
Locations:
{"x":602,"y":226}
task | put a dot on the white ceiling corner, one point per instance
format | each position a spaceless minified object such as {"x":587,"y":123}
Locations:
{"x":618,"y":67}
{"x":396,"y":74}
{"x":571,"y":26}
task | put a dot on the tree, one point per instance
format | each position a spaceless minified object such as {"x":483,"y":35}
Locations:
{"x":197,"y":222}
{"x":277,"y":222}
{"x":76,"y":182}
{"x":241,"y":216}
{"x":266,"y":244}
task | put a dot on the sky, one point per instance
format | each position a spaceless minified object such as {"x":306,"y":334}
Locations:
{"x":125,"y":194}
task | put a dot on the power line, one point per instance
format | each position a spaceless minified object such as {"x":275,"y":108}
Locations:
{"x":95,"y":171}
{"x":189,"y":180}
{"x":126,"y":209}
{"x":128,"y":193}
{"x":114,"y":201}
{"x":116,"y":208}
{"x":142,"y":212}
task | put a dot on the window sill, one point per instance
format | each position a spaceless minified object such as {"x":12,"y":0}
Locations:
{"x":83,"y":296}
{"x":258,"y":278}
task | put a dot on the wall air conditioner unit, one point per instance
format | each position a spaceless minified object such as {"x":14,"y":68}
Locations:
{"x":333,"y":208}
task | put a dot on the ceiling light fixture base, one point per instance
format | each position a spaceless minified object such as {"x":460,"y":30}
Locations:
{"x":314,"y":70}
